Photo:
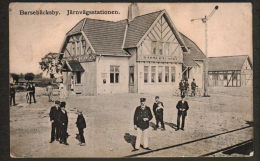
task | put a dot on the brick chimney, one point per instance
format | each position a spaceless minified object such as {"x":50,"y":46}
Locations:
{"x":133,"y":11}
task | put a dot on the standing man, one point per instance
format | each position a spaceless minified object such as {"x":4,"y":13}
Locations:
{"x":158,"y":113}
{"x":12,"y":94}
{"x":193,"y":87}
{"x":54,"y":118}
{"x":81,"y":125}
{"x":182,"y":107}
{"x":63,"y":118}
{"x":33,"y":92}
{"x":142,"y":117}
{"x":29,"y":90}
{"x":186,"y":86}
{"x":182,"y":87}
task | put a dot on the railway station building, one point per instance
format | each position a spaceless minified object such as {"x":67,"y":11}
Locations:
{"x":140,"y":54}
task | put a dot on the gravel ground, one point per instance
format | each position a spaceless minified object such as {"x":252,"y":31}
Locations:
{"x":110,"y":130}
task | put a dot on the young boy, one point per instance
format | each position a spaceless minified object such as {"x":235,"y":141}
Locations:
{"x":81,"y":124}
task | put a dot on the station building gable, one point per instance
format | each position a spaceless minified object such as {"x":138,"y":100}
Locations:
{"x":160,"y":44}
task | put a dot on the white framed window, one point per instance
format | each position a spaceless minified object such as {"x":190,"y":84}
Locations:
{"x":146,"y":72}
{"x":160,"y":74}
{"x":78,"y":48}
{"x":114,"y":74}
{"x":153,"y":74}
{"x":83,"y":47}
{"x":173,"y":72}
{"x":167,"y":73}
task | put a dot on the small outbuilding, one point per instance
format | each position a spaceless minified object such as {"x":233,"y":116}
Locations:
{"x":230,"y":71}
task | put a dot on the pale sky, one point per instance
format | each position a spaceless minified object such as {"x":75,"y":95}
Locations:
{"x":31,"y":37}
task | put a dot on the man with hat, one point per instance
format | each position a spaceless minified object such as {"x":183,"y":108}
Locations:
{"x":182,"y":107}
{"x":12,"y":94}
{"x":54,"y":118}
{"x":63,"y":120}
{"x":142,"y":117}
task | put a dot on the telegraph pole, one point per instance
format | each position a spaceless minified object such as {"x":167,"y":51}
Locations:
{"x":205,"y":64}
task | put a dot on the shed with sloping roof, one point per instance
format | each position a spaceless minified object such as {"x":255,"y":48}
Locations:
{"x":230,"y":71}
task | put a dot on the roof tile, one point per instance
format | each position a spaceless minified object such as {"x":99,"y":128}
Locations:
{"x":225,"y":63}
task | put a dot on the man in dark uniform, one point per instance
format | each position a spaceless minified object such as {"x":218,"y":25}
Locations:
{"x":193,"y":87}
{"x":158,"y":113}
{"x":142,"y":117}
{"x":186,"y":87}
{"x":81,"y":124}
{"x":33,"y":93}
{"x":54,"y":116}
{"x":182,"y":107}
{"x":182,"y":87}
{"x":63,"y":119}
{"x":12,"y":94}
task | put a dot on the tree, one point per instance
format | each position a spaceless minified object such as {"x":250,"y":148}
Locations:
{"x":51,"y":64}
{"x":29,"y":76}
{"x":15,"y":77}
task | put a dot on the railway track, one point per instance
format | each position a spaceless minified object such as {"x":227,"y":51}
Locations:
{"x":170,"y":151}
{"x":238,"y":146}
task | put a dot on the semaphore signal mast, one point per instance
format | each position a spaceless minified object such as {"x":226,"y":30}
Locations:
{"x":205,"y":21}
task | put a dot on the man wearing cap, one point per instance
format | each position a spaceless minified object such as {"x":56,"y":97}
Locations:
{"x":142,"y":117}
{"x":63,"y":120}
{"x":182,"y":107}
{"x":158,"y":113}
{"x":54,"y":114}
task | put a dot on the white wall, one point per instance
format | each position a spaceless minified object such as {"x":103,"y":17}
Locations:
{"x":88,"y":79}
{"x":197,"y":74}
{"x":157,"y":87}
{"x":103,"y":72}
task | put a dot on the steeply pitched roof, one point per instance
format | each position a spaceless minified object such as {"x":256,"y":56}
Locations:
{"x":188,"y":61}
{"x":225,"y":63}
{"x":106,"y":37}
{"x":75,"y":66}
{"x":194,"y":50}
{"x":138,"y":27}
{"x":76,"y":28}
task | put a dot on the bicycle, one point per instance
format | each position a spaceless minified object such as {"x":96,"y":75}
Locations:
{"x":197,"y":92}
{"x":177,"y":92}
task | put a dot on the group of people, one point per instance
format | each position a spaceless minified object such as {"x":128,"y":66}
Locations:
{"x":59,"y":124}
{"x":143,"y":116}
{"x":30,"y":93}
{"x":184,"y":86}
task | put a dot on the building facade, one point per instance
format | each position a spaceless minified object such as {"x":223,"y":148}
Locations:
{"x":141,"y":54}
{"x":230,"y":71}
